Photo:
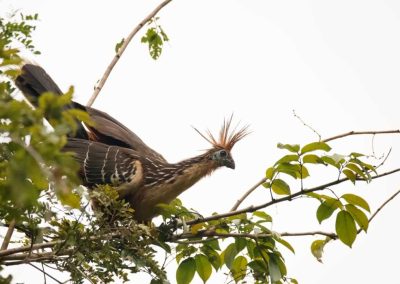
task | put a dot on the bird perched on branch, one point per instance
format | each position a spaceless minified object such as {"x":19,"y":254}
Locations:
{"x":109,"y":153}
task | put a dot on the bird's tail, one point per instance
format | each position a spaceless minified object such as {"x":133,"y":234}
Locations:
{"x":34,"y":81}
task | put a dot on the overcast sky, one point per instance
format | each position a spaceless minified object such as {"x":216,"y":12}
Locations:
{"x":336,"y":63}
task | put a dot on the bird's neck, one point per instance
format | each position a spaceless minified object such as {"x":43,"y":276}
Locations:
{"x":182,"y":175}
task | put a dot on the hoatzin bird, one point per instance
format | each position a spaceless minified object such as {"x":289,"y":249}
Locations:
{"x":109,"y":153}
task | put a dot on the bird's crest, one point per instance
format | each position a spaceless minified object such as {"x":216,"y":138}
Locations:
{"x":227,"y":138}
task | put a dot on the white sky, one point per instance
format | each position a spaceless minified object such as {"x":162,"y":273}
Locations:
{"x":336,"y":63}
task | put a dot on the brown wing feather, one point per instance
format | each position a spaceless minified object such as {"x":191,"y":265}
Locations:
{"x":110,"y":131}
{"x":103,"y":164}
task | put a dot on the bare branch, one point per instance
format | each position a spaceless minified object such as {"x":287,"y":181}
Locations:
{"x":28,"y":248}
{"x":383,"y":205}
{"x":247,"y":193}
{"x":122,"y":49}
{"x":45,"y":273}
{"x":7,"y":237}
{"x":350,"y":133}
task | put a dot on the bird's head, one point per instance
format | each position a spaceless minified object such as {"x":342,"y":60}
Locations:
{"x":220,"y":152}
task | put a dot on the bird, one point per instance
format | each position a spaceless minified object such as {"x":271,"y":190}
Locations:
{"x":108,"y":153}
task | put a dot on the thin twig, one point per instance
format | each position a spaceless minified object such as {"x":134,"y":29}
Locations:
{"x":45,"y":273}
{"x":247,"y":193}
{"x":383,"y":205}
{"x":307,"y":125}
{"x":7,"y":237}
{"x":121,"y":51}
{"x":350,"y":133}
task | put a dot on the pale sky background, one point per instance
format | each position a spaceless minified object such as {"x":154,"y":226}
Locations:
{"x":337,"y":63}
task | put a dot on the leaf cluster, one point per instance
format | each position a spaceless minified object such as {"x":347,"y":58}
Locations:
{"x":155,"y":38}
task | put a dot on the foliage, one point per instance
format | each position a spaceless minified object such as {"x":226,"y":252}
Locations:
{"x":40,"y":191}
{"x":155,"y":37}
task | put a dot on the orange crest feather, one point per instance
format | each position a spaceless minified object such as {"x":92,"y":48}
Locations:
{"x":227,"y":139}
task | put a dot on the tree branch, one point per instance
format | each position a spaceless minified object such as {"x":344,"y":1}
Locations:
{"x":45,"y":273}
{"x":212,"y":233}
{"x":28,"y":248}
{"x":7,"y":237}
{"x":253,"y":208}
{"x":121,"y":51}
{"x":350,"y":133}
{"x":247,"y":193}
{"x":380,"y":207}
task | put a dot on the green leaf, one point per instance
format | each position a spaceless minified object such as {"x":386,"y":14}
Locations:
{"x":214,"y":244}
{"x":287,"y":159}
{"x":68,"y":198}
{"x":346,"y":228}
{"x":356,"y":200}
{"x":356,"y":155}
{"x":239,"y":267}
{"x":203,"y":267}
{"x":314,"y":146}
{"x":330,"y":161}
{"x":269,"y":173}
{"x":118,"y":45}
{"x":326,"y":209}
{"x":312,"y":159}
{"x":289,"y":169}
{"x":229,"y":255}
{"x":258,"y":265}
{"x":240,"y":244}
{"x":185,"y":271}
{"x":292,"y":148}
{"x":314,"y":195}
{"x":294,"y":170}
{"x":317,"y":248}
{"x":280,"y":187}
{"x":263,"y":215}
{"x":340,"y":159}
{"x":359,"y":216}
{"x":350,"y":175}
{"x":250,"y":246}
{"x":355,"y":168}
{"x":284,"y":243}
{"x":213,"y":257}
{"x":274,"y":270}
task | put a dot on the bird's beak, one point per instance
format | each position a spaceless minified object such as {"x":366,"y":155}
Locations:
{"x":230,"y":163}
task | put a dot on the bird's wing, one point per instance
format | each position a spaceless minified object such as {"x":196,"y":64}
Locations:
{"x":105,"y":164}
{"x":34,"y":81}
{"x":110,"y":131}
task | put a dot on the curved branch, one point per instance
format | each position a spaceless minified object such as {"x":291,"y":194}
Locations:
{"x":380,"y":207}
{"x":350,"y":133}
{"x":121,"y":50}
{"x":247,"y":193}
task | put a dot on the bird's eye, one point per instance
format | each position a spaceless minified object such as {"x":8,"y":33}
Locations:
{"x":223,"y":153}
